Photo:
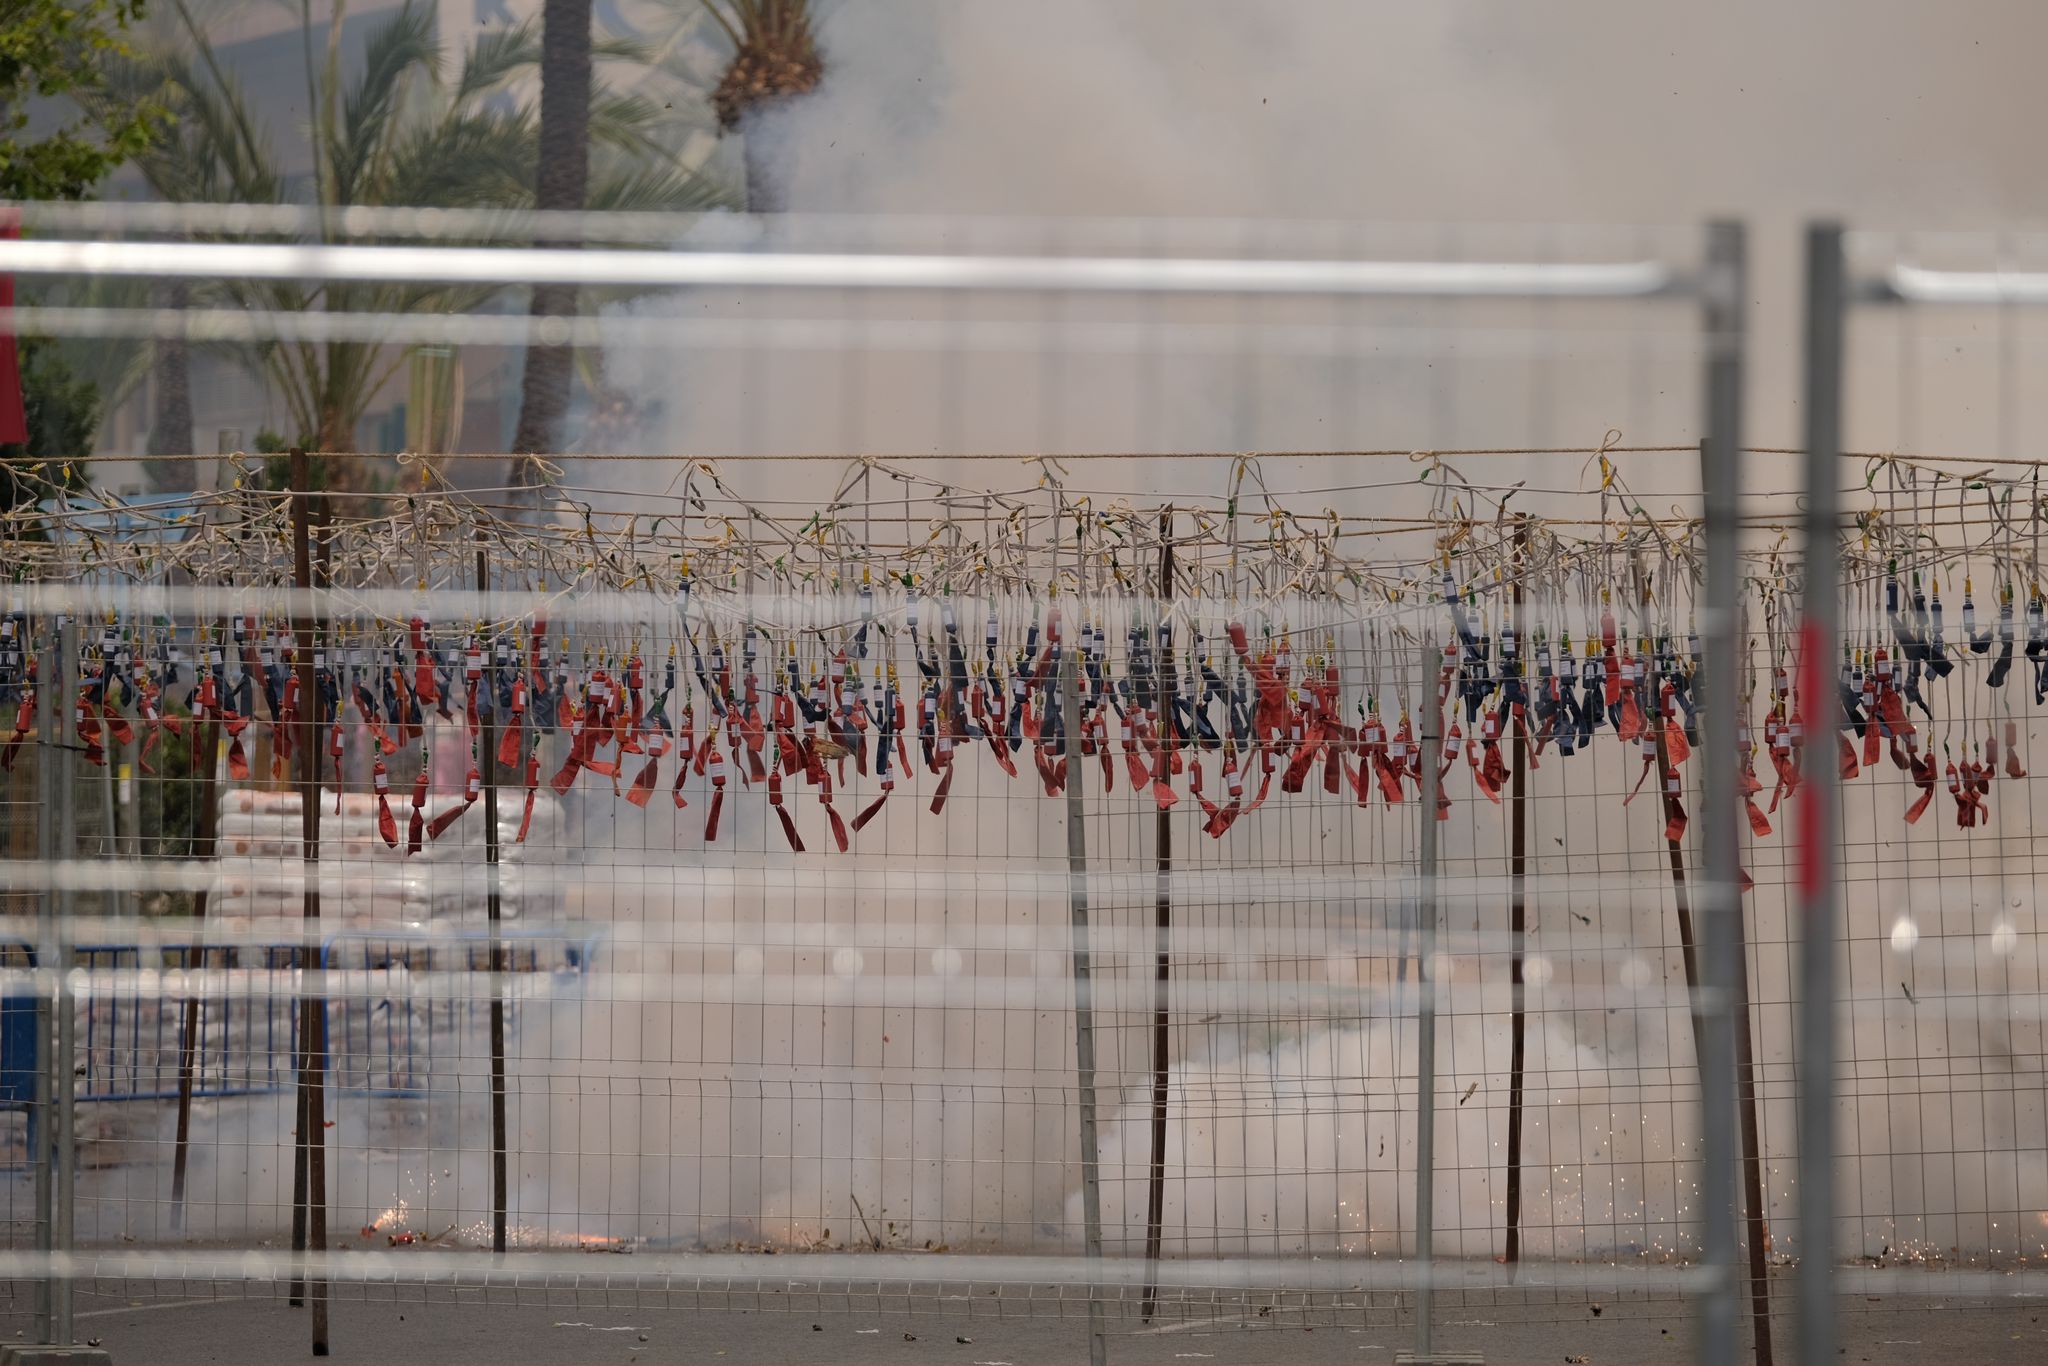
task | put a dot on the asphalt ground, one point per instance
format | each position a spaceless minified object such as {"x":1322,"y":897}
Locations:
{"x":447,"y":1328}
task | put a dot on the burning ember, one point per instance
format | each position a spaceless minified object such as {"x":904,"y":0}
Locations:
{"x":392,"y":1224}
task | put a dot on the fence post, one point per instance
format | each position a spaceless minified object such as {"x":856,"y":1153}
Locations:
{"x":1425,"y":1000}
{"x":206,"y":768}
{"x":63,"y":1134}
{"x":1720,"y":902}
{"x":487,"y":762}
{"x":1818,"y":645}
{"x":312,"y":1004}
{"x":49,"y":778}
{"x":1162,"y":953}
{"x":1084,"y":996}
{"x":1518,"y":917}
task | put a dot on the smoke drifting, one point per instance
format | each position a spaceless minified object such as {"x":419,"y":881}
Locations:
{"x":1887,"y":114}
{"x":1216,"y":129}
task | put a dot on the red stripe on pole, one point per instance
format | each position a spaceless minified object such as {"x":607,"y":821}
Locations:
{"x":1816,"y":710}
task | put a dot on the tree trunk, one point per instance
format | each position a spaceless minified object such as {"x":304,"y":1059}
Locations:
{"x":562,"y":182}
{"x":170,"y":425}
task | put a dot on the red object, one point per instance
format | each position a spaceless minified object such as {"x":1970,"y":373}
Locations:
{"x":439,"y":825}
{"x":1814,"y":819}
{"x":416,"y":829}
{"x":387,"y":824}
{"x":532,"y":787}
{"x":13,"y":415}
{"x":869,"y":811}
{"x":643,"y":783}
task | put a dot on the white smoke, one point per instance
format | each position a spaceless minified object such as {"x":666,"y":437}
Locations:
{"x":1222,"y":128}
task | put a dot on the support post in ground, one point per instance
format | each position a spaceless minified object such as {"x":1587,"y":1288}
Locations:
{"x":205,"y":768}
{"x":1084,"y":994}
{"x":487,"y":765}
{"x":1432,"y":723}
{"x":63,"y":1134}
{"x":1724,"y":295}
{"x":1162,"y":962}
{"x":51,"y":770}
{"x":1518,"y":923}
{"x":312,"y":1002}
{"x":1819,"y":639}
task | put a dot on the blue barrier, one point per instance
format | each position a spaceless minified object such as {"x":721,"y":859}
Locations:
{"x":17,"y":1036}
{"x":378,"y":1044}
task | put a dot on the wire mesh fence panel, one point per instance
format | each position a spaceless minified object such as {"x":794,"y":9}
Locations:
{"x":934,"y":793}
{"x":1939,"y":1183}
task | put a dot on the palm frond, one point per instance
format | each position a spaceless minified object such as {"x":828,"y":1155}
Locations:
{"x":390,"y":132}
{"x":473,"y":160}
{"x":630,"y":188}
{"x":222,"y":153}
{"x":626,"y":121}
{"x":619,"y":48}
{"x":731,"y":26}
{"x":495,"y":57}
{"x":245,"y":130}
{"x":403,"y":45}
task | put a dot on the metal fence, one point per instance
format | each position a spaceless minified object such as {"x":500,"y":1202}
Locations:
{"x":382,"y":1034}
{"x":1081,"y":1011}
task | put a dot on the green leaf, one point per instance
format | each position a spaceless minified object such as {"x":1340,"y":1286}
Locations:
{"x":59,"y":48}
{"x":402,"y":46}
{"x":496,"y":57}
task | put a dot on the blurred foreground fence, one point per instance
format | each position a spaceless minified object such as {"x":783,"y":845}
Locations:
{"x":998,"y":880}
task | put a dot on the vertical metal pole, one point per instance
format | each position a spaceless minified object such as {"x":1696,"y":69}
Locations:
{"x":1720,"y":905}
{"x":313,"y":1004}
{"x":302,"y":1146}
{"x":1518,"y":924}
{"x":206,"y":768}
{"x":112,"y":903}
{"x":1425,"y":986}
{"x":1667,"y":781}
{"x":1162,"y":961}
{"x":63,"y":1070}
{"x":1084,"y":995}
{"x":487,"y":764}
{"x":51,"y":771}
{"x":302,"y":1138}
{"x":1819,"y":643}
{"x":1754,"y":1226}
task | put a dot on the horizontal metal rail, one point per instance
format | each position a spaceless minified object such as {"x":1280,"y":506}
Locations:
{"x":837,"y":270}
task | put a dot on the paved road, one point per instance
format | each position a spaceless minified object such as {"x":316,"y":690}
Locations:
{"x":238,"y":1331}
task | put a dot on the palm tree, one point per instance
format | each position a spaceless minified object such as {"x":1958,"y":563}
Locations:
{"x":396,"y":133}
{"x":170,"y":427}
{"x":208,"y":149}
{"x":562,"y":183}
{"x":774,"y":59}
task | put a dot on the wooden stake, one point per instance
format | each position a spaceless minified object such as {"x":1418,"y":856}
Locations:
{"x":1752,"y":1162}
{"x":1653,"y":713}
{"x":487,"y":764}
{"x":1518,"y":912}
{"x":1155,"y":1182}
{"x":312,"y":1005}
{"x":205,"y":764}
